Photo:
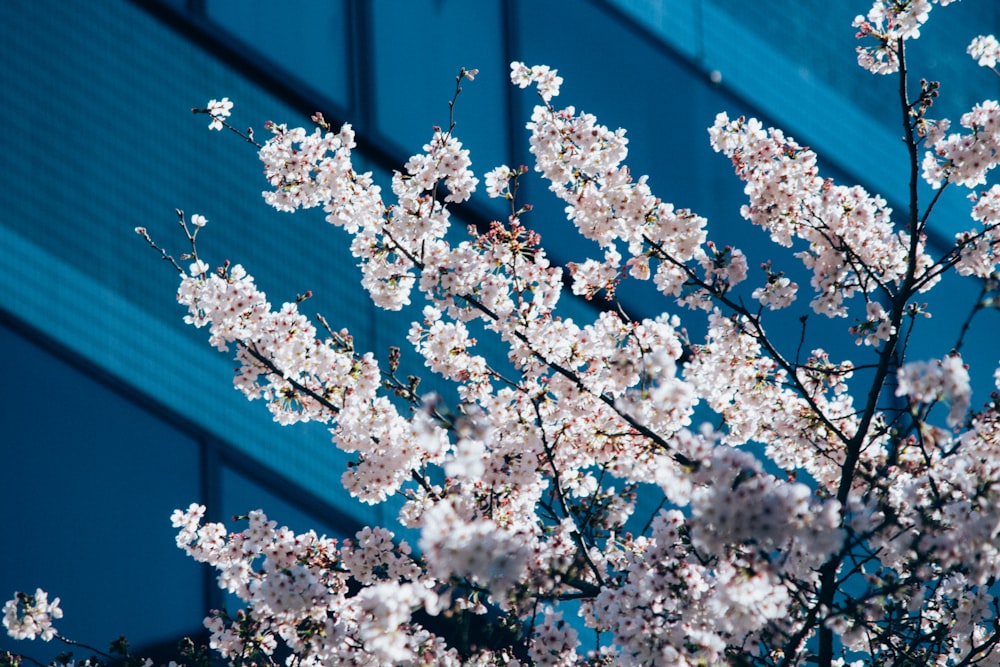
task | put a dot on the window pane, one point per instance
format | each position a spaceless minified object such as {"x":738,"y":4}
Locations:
{"x":90,"y":482}
{"x":242,"y":494}
{"x":306,"y":38}
{"x":410,"y":101}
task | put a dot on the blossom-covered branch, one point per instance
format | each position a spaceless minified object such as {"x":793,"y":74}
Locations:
{"x":809,"y":508}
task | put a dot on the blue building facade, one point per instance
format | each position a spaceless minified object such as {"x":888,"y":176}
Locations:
{"x":117,"y":413}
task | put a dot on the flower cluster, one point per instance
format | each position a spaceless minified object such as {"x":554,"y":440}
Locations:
{"x":985,"y":50}
{"x":852,"y":243}
{"x":498,"y":182}
{"x":475,"y":550}
{"x":29,"y":616}
{"x":929,"y":381}
{"x":305,"y":378}
{"x":889,"y":23}
{"x":779,"y":291}
{"x":977,"y":249}
{"x":299,"y":591}
{"x":965,"y":159}
{"x":877,"y":326}
{"x":547,"y":79}
{"x":219,"y":110}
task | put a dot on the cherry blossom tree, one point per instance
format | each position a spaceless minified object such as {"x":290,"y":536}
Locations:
{"x":808,"y":509}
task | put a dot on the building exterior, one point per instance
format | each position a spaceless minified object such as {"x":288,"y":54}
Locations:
{"x":117,"y":413}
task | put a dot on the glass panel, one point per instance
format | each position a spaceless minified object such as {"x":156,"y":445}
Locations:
{"x":409,"y":102}
{"x":306,"y":38}
{"x":90,"y":482}
{"x":242,"y":494}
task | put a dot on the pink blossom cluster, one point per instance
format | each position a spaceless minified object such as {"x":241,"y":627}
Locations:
{"x":877,"y":326}
{"x":305,"y":378}
{"x":555,"y":642}
{"x":940,"y":556}
{"x":298,"y":590}
{"x":545,"y":78}
{"x":28,"y":616}
{"x":965,"y":159}
{"x":852,"y":243}
{"x":308,"y":170}
{"x":930,"y":381}
{"x":985,"y":50}
{"x":356,"y":603}
{"x":779,"y":291}
{"x":977,"y":251}
{"x":582,"y":160}
{"x":219,"y":110}
{"x":889,"y":23}
{"x":477,"y":550}
{"x":677,"y":606}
